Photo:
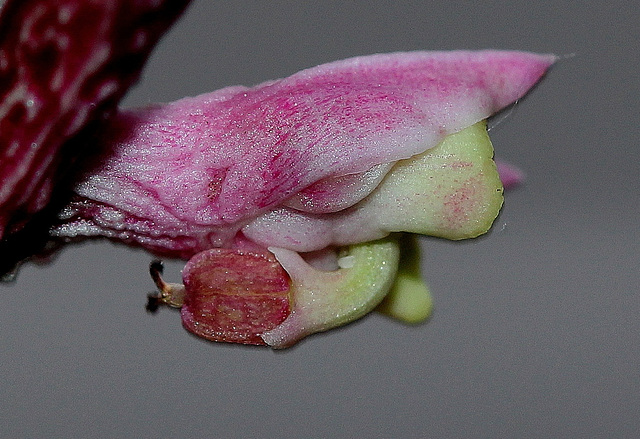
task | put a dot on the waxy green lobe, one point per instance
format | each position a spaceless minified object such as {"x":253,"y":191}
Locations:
{"x":451,"y":191}
{"x":409,"y":299}
{"x":324,"y":300}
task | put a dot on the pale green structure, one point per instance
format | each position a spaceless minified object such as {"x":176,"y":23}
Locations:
{"x":451,"y":191}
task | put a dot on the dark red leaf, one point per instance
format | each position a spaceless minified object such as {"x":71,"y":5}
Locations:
{"x":64,"y":66}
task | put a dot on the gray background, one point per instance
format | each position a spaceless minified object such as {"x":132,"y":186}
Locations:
{"x":536,"y":329}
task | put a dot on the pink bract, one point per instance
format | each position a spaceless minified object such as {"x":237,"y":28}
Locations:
{"x":187,"y":176}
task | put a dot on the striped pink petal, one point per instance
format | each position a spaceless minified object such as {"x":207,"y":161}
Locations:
{"x":187,"y":176}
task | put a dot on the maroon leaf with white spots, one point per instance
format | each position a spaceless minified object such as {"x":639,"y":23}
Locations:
{"x":64,"y":66}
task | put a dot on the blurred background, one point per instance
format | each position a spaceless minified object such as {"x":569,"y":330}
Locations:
{"x":535,"y":331}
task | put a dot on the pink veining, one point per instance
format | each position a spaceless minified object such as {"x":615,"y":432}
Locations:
{"x":283,"y":138}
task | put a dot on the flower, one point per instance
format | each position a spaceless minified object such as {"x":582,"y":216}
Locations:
{"x":325,"y":169}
